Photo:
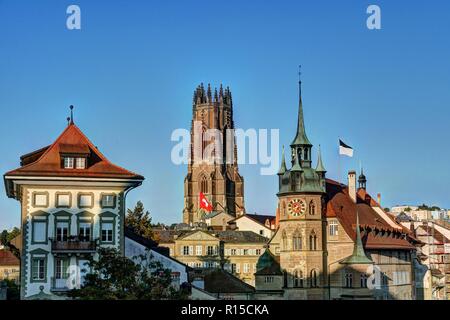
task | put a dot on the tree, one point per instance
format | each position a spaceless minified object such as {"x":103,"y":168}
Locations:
{"x":12,"y":289}
{"x":408,"y":209}
{"x":6,"y":238}
{"x":140,"y":221}
{"x":115,"y":277}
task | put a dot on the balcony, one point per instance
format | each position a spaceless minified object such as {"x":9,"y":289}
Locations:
{"x":73,"y":244}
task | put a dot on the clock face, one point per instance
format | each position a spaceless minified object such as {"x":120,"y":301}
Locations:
{"x":297,"y":207}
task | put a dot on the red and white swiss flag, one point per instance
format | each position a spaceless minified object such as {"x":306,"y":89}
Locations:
{"x":204,"y":204}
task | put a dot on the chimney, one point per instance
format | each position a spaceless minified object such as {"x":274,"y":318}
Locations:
{"x":352,"y":185}
{"x":379,"y":198}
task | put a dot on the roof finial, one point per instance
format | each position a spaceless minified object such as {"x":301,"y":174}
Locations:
{"x":68,"y":121}
{"x":299,"y":73}
{"x":71,"y":114}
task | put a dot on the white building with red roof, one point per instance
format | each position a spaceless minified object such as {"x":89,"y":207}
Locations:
{"x":72,"y":203}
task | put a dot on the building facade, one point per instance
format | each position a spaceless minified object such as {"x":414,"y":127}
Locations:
{"x":72,"y":202}
{"x":333,"y":240}
{"x":236,"y":252}
{"x":9,"y":266}
{"x":212,"y":167}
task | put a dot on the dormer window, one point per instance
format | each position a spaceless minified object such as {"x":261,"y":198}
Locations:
{"x":74,"y":163}
{"x":68,"y":162}
{"x":80,"y":163}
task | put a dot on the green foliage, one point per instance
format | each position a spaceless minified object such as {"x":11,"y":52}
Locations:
{"x":114,"y":277}
{"x":140,"y":221}
{"x":426,"y":207}
{"x":408,"y":209}
{"x":6,"y":238}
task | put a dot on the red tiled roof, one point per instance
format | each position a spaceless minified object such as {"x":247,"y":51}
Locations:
{"x":260,"y":218}
{"x":8,"y":259}
{"x":341,"y":206}
{"x":72,"y":140}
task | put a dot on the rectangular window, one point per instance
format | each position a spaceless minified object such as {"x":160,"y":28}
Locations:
{"x":245,"y":251}
{"x":63,"y":200}
{"x":62,"y":267}
{"x":84,"y":232}
{"x":210,"y":250}
{"x":268,"y":279}
{"x":38,"y":269}
{"x":108,"y":201}
{"x":334,"y":228}
{"x":198,"y":250}
{"x":233,"y":252}
{"x":40,"y":200}
{"x":233,"y":268}
{"x":186,"y":250}
{"x":191,"y":250}
{"x":62,"y":230}
{"x":80,"y":163}
{"x":238,"y":268}
{"x":107,"y":232}
{"x":39,"y":231}
{"x":246,"y":267}
{"x":258,"y":252}
{"x":85,"y":201}
{"x":68,"y":162}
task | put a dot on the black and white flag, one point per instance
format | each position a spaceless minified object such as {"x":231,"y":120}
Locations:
{"x":345,"y":149}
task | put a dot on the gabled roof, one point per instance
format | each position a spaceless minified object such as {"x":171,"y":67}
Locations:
{"x":383,"y":231}
{"x":259,"y":218}
{"x":47,"y":161}
{"x":7,"y":258}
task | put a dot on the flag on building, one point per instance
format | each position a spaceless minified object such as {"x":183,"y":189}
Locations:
{"x":345,"y":149}
{"x":204,"y":203}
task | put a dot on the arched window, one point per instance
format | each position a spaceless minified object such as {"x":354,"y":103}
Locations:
{"x":313,"y":279}
{"x":305,"y":155}
{"x":312,"y":208}
{"x":297,"y":241}
{"x":364,"y":280}
{"x":348,"y":279}
{"x":312,"y":241}
{"x":203,"y":184}
{"x":298,"y":279}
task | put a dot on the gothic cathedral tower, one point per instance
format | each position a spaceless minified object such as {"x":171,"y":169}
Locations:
{"x":300,"y":239}
{"x":212,"y":168}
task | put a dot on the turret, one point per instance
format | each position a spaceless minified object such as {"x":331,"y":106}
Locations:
{"x":362,"y":180}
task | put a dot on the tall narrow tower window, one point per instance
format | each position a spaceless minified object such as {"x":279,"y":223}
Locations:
{"x":312,"y":241}
{"x":203,"y":184}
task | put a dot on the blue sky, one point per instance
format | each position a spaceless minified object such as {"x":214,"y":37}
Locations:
{"x":131,"y":70}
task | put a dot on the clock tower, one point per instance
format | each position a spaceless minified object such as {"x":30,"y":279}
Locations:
{"x":300,"y":240}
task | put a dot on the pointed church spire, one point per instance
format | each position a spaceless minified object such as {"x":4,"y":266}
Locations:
{"x":320,"y":167}
{"x":300,"y":138}
{"x":358,"y":256}
{"x":283,"y":164}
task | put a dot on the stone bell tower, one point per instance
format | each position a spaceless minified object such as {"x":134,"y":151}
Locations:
{"x":212,"y":168}
{"x":300,"y":238}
